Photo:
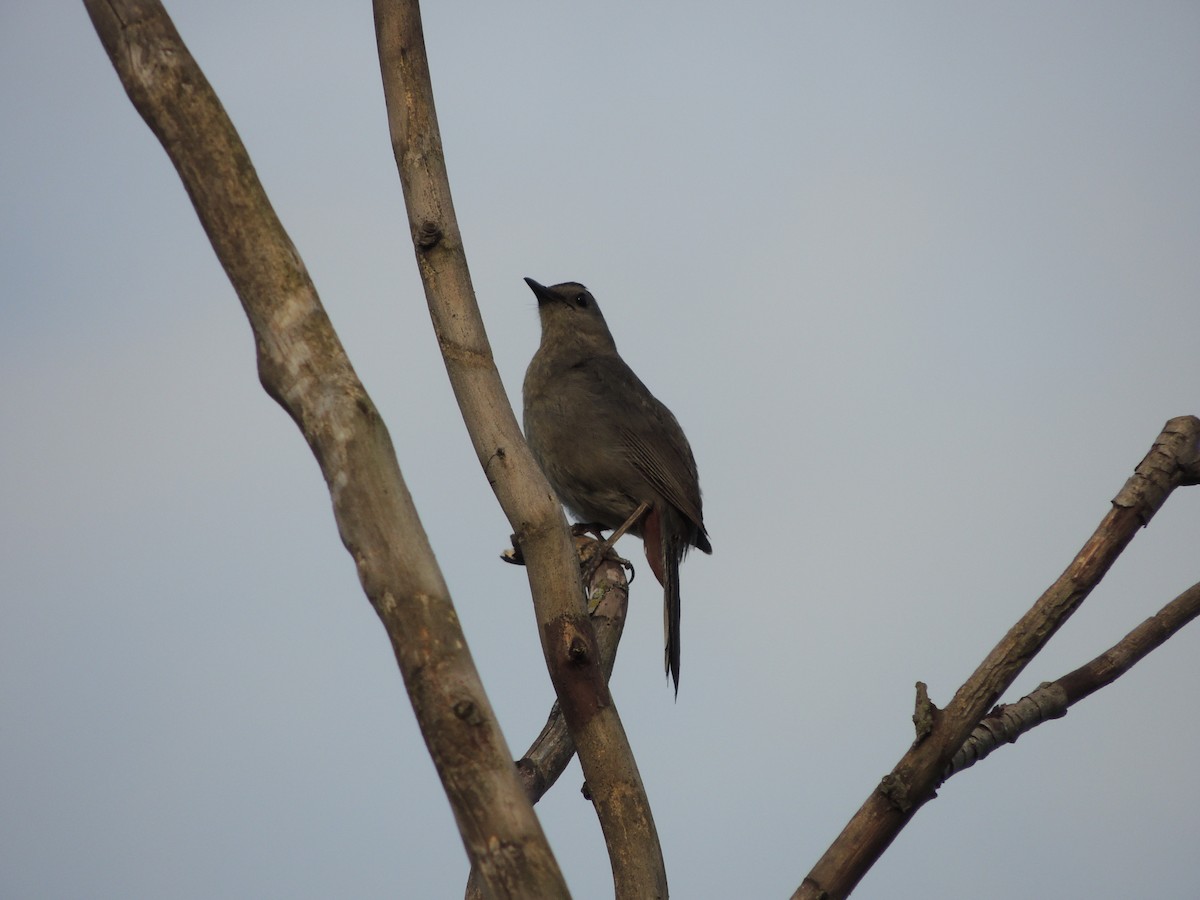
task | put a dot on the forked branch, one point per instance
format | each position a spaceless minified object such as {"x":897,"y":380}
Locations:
{"x":1173,"y":460}
{"x":568,"y":641}
{"x":551,"y":751}
{"x":1052,"y":699}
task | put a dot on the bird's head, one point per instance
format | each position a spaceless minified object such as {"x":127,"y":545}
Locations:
{"x":570,"y":315}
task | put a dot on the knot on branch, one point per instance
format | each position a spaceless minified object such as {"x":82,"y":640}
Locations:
{"x":578,"y":651}
{"x":468,"y":712}
{"x":570,"y":647}
{"x":896,"y":789}
{"x":427,"y":235}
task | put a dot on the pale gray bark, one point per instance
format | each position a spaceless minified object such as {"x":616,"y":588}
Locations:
{"x":568,"y":641}
{"x":303,"y":366}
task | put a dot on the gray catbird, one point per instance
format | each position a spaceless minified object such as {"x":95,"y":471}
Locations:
{"x":607,"y":445}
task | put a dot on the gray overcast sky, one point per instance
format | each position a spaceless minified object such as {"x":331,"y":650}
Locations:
{"x":920,"y":281}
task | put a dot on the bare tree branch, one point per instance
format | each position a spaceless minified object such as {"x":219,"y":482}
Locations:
{"x":304,"y":367}
{"x":1052,"y":699}
{"x":1172,"y":461}
{"x":536,"y":516}
{"x":551,"y":751}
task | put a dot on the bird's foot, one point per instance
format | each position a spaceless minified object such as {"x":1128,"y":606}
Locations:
{"x":596,"y":554}
{"x":599,"y":590}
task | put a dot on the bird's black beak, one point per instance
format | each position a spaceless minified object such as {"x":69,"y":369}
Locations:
{"x":543,"y":293}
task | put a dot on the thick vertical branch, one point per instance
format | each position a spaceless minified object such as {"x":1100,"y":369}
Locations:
{"x":303,"y":366}
{"x":1171,"y":462}
{"x":536,"y":517}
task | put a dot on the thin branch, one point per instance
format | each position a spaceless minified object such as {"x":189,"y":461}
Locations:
{"x":1172,"y":461}
{"x":1052,"y":699}
{"x":304,"y":367}
{"x":568,"y":641}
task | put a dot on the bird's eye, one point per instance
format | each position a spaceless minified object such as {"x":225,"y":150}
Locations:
{"x":581,"y":301}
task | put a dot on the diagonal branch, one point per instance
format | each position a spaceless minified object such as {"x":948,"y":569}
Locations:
{"x":1052,"y":699}
{"x":568,"y":641}
{"x":1172,"y":461}
{"x":304,"y":367}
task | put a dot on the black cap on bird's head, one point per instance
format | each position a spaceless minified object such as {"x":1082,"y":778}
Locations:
{"x":570,"y":308}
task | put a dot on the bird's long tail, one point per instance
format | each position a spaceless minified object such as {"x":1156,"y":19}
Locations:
{"x":671,"y":558}
{"x":664,"y":551}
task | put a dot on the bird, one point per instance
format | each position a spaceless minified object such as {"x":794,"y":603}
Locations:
{"x":609,"y":448}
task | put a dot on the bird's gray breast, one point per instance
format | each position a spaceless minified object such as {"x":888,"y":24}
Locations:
{"x":573,"y":425}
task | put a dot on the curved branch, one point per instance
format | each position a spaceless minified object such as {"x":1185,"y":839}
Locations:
{"x":304,"y":367}
{"x":1172,"y":461}
{"x":568,"y":641}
